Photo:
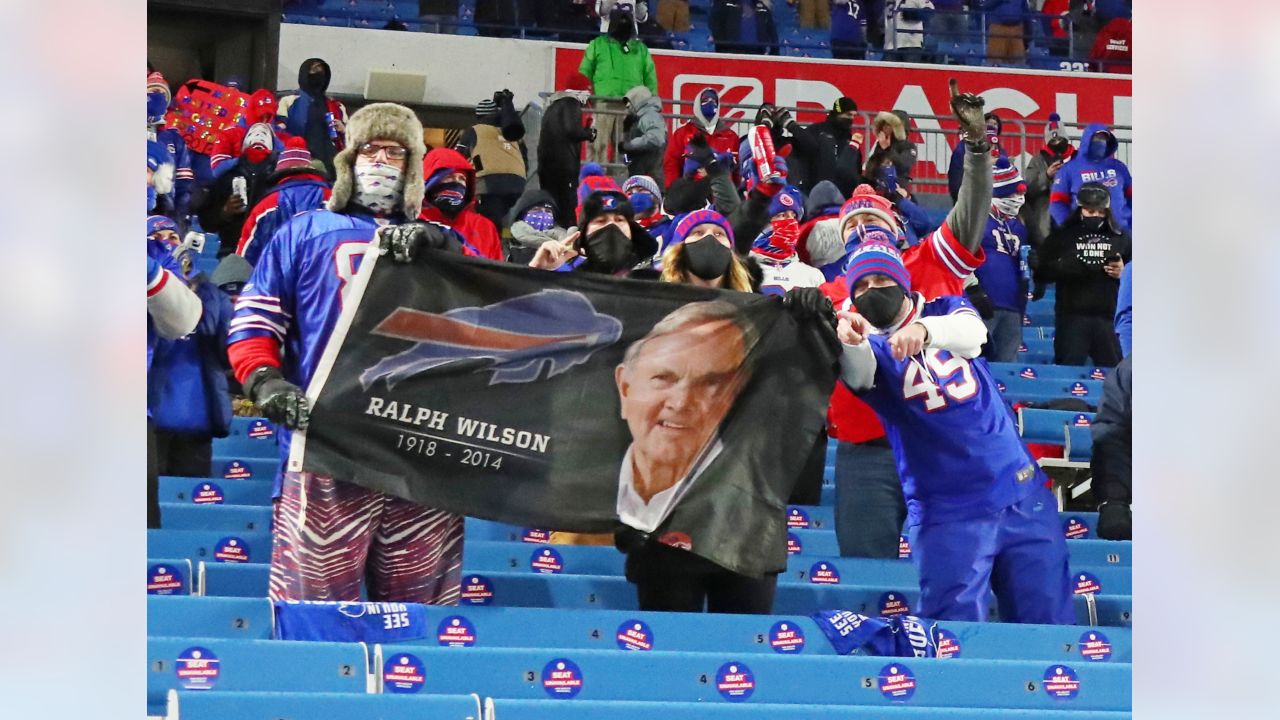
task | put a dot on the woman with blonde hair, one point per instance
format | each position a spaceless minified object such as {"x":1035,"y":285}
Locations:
{"x":700,"y":253}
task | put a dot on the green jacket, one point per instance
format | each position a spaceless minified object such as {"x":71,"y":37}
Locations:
{"x":613,"y":72}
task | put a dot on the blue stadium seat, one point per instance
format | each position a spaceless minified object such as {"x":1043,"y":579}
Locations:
{"x":224,"y":664}
{"x":197,"y":545}
{"x":248,"y":580}
{"x":1042,"y":371}
{"x":324,"y":706}
{"x":226,"y":518}
{"x":234,"y":467}
{"x":232,"y":492}
{"x":1079,"y":444}
{"x":1090,"y":551}
{"x":244,"y":618}
{"x":252,"y":427}
{"x":169,"y":577}
{"x":1046,"y":426}
{"x":631,"y":710}
{"x":696,"y":677}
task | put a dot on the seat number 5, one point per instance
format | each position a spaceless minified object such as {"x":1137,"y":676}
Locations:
{"x":954,"y":375}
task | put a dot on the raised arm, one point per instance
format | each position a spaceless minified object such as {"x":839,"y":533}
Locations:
{"x":968,"y":217}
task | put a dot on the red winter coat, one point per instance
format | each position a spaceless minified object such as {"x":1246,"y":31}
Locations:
{"x":477,"y":229}
{"x":723,"y":140}
{"x":1113,"y":48}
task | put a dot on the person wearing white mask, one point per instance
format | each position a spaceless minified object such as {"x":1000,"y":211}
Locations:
{"x":1004,"y":275}
{"x":326,"y":532}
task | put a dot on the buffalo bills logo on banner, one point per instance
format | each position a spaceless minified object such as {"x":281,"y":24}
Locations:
{"x":824,"y":573}
{"x":786,"y":637}
{"x":476,"y":590}
{"x":546,"y":561}
{"x":948,"y":644}
{"x":197,"y":668}
{"x":260,"y":430}
{"x":893,"y":603}
{"x":535,"y":535}
{"x":511,"y":339}
{"x":1061,"y":682}
{"x":1094,"y":646}
{"x":456,"y":631}
{"x":1079,"y":389}
{"x":634,"y":635}
{"x":403,"y":673}
{"x":797,"y":518}
{"x":1028,"y":373}
{"x":735,"y":681}
{"x":561,"y":678}
{"x":1086,"y":583}
{"x":236,"y":470}
{"x":1075,"y":528}
{"x":897,"y":682}
{"x":207,"y":493}
{"x":794,"y":546}
{"x":164,"y":579}
{"x":231,"y":549}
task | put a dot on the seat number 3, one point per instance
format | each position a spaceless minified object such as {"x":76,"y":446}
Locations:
{"x":954,"y":376}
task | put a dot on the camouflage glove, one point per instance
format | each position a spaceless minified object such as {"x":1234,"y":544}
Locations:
{"x":967,"y":108}
{"x":280,"y":401}
{"x":404,"y":241}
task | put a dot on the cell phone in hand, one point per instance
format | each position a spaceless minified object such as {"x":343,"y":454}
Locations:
{"x":240,"y":188}
{"x":1114,"y":258}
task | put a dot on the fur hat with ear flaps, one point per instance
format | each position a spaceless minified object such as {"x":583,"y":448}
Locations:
{"x":381,"y":121}
{"x":893,"y":122}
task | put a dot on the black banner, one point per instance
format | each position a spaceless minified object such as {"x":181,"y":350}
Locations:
{"x":567,"y":401}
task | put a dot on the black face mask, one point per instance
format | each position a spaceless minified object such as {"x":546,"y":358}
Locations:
{"x":1092,"y":223}
{"x":880,"y":306}
{"x":845,"y":124}
{"x":608,"y":250}
{"x":621,"y":29}
{"x":449,"y":197}
{"x":707,"y":258}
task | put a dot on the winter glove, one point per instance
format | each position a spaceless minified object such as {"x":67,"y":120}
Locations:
{"x":1115,"y":521}
{"x":967,"y":108}
{"x":593,"y":133}
{"x":1039,"y":291}
{"x":405,"y":241}
{"x":981,"y":301}
{"x":782,"y":117}
{"x":279,"y":400}
{"x":765,"y":115}
{"x":808,"y":304}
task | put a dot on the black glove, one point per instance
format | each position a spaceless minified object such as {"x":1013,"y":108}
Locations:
{"x":700,"y":151}
{"x":403,"y":242}
{"x":593,"y":133}
{"x":1039,"y":290}
{"x":1115,"y":521}
{"x":782,"y":117}
{"x":622,"y":146}
{"x":764,"y":116}
{"x":280,"y":400}
{"x":981,"y":301}
{"x":627,"y":538}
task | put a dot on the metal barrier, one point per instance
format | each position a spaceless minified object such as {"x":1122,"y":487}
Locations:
{"x":935,"y":137}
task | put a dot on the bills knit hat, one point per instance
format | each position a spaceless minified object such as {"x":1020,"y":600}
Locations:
{"x":866,"y":201}
{"x":871,"y":258}
{"x":687,"y":222}
{"x":643,"y":182}
{"x":1005,"y":179}
{"x":788,"y":198}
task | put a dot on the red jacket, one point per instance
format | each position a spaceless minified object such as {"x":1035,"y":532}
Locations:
{"x":1113,"y":48}
{"x":721,"y":141}
{"x":475,"y":228}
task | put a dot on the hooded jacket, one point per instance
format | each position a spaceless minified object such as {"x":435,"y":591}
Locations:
{"x":305,"y":114}
{"x":646,"y":134}
{"x":477,"y":230}
{"x":295,"y":191}
{"x":1074,"y":256}
{"x":187,"y":383}
{"x":1035,"y":213}
{"x":525,"y":240}
{"x":1109,"y":171}
{"x":824,"y":151}
{"x":614,"y":68}
{"x":722,"y":140}
{"x":901,"y":152}
{"x":560,"y":151}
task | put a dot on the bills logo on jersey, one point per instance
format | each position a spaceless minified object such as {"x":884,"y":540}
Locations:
{"x":477,"y":590}
{"x":546,"y":561}
{"x":897,"y":682}
{"x":165,"y":580}
{"x":231,"y":550}
{"x":1061,"y":682}
{"x":894,"y":603}
{"x":1080,"y":420}
{"x":797,"y":518}
{"x":236,"y":470}
{"x":207,"y":494}
{"x":1075,"y":528}
{"x":1028,"y":373}
{"x":561,"y":678}
{"x":1086,"y":583}
{"x":786,"y":637}
{"x":197,"y":668}
{"x":948,"y":644}
{"x":794,"y":546}
{"x":735,"y":681}
{"x":824,"y":573}
{"x":1095,"y":647}
{"x":1079,"y":389}
{"x":516,"y":339}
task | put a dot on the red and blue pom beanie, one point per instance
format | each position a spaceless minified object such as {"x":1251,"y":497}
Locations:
{"x":687,"y":222}
{"x":1005,"y":179}
{"x":788,"y":198}
{"x":876,"y":257}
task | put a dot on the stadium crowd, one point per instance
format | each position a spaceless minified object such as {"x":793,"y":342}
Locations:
{"x":810,"y":213}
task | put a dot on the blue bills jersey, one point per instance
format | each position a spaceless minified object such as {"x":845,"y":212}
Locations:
{"x":957,"y":446}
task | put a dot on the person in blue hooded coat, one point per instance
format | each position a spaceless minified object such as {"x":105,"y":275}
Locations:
{"x":1095,"y":162}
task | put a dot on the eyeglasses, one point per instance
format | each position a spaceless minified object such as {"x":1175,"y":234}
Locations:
{"x":393,"y":152}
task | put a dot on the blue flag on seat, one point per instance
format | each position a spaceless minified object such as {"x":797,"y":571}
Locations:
{"x":368,"y":622}
{"x":895,"y":636}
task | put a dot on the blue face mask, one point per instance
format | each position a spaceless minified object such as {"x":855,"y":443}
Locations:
{"x":156,"y":105}
{"x":1097,"y":149}
{"x":151,"y":198}
{"x":540,"y":219}
{"x":709,"y":104}
{"x":642,"y":203}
